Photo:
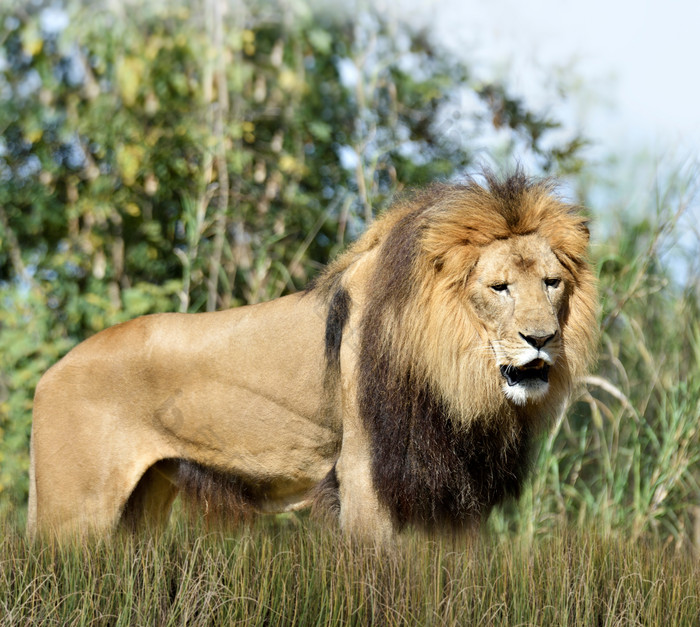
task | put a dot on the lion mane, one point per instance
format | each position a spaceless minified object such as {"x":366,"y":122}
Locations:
{"x":380,"y":394}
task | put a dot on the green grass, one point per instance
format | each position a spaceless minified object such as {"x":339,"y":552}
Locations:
{"x":284,"y":574}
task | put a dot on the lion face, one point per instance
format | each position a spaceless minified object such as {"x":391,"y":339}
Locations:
{"x":519,"y":292}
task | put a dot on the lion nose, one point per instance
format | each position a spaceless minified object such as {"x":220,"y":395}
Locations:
{"x":539,"y":340}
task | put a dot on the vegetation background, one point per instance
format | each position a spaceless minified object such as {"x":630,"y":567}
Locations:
{"x":191,"y":156}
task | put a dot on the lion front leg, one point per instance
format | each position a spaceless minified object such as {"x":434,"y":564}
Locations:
{"x":362,"y":516}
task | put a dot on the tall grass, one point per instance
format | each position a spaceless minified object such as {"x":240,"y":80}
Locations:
{"x":285,"y":574}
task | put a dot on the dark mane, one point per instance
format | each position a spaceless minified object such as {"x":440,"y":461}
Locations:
{"x":427,"y":469}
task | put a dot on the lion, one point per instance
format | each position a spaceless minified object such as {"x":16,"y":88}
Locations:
{"x":405,"y":387}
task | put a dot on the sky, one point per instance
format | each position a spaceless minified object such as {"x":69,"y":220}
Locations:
{"x":635,"y":63}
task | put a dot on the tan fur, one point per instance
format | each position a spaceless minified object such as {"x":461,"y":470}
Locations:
{"x":249,"y":393}
{"x":238,"y":390}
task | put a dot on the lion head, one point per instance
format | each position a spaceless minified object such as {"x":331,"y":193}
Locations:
{"x":518,"y":293}
{"x":485,"y":293}
{"x":509,"y":266}
{"x":479,"y":315}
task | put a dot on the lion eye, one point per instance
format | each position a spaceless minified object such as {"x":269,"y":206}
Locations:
{"x":499,"y":287}
{"x":552,"y":282}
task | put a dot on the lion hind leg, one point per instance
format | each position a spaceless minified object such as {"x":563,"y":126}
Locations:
{"x":150,"y":501}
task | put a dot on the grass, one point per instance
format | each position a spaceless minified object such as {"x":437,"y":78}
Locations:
{"x":283,"y":573}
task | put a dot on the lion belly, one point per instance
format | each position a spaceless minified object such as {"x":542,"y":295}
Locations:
{"x":239,"y":391}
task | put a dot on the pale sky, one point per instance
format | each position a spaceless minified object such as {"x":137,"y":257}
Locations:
{"x":640,"y":56}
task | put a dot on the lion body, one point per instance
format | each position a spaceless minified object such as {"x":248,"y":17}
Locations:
{"x":183,"y":386}
{"x":409,"y":381}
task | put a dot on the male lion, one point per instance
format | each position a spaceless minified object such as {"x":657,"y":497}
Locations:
{"x":404,"y":387}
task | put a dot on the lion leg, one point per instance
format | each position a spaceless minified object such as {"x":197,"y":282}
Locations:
{"x":75,"y":493}
{"x":72,"y":511}
{"x":362,"y":516}
{"x":150,"y":503}
{"x":68,"y":502}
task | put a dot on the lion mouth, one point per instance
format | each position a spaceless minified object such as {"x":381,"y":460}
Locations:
{"x":536,"y":370}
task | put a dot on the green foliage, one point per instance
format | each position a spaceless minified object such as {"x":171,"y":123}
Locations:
{"x":29,"y":345}
{"x":120,"y":134}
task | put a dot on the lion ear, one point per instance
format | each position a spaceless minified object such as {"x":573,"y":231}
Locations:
{"x":585,"y":231}
{"x":438,"y":264}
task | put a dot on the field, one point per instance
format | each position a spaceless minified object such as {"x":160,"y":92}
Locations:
{"x":291,"y":572}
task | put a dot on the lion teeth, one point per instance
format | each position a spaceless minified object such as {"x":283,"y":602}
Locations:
{"x":534,"y":364}
{"x":537,"y":369}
